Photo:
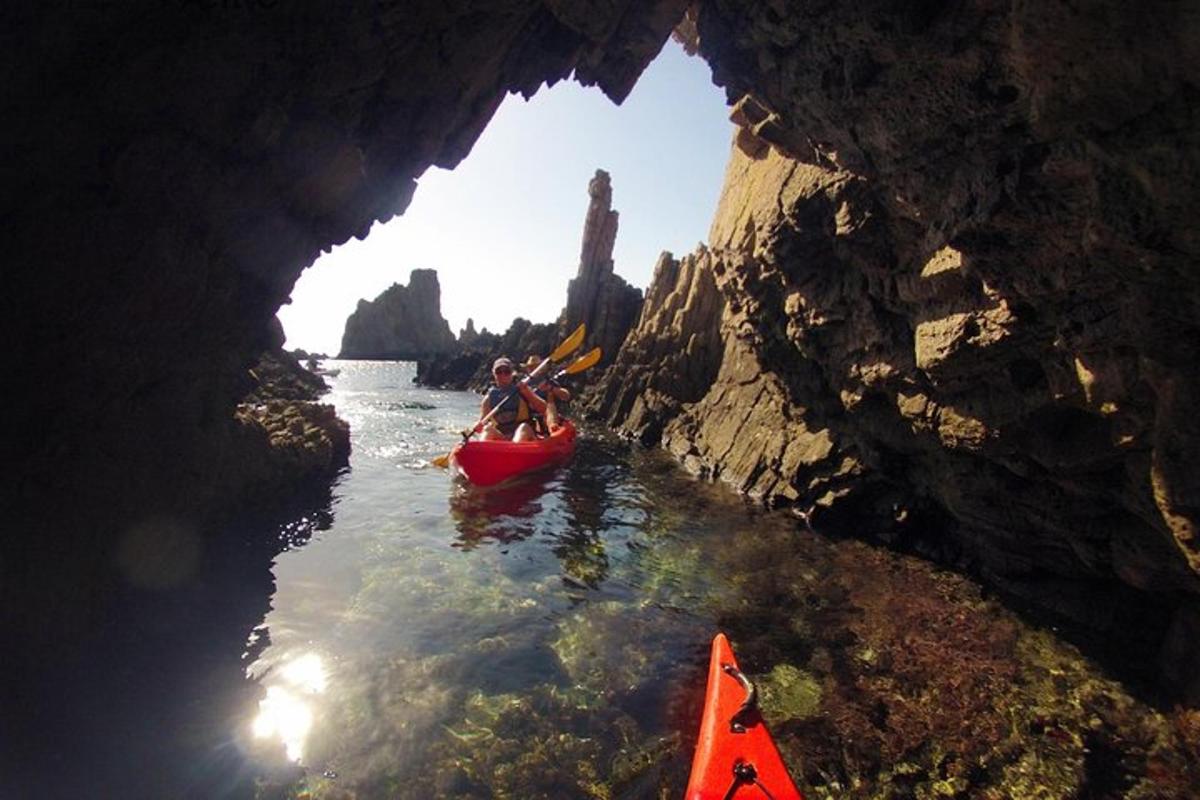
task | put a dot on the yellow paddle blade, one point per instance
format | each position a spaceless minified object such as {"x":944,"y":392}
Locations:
{"x":570,"y":344}
{"x":586,"y":360}
{"x":441,"y":462}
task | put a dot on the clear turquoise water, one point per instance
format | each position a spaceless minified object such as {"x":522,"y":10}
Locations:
{"x":550,"y":639}
{"x":585,"y":596}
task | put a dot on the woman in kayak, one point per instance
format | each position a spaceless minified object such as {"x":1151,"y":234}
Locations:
{"x":512,"y":421}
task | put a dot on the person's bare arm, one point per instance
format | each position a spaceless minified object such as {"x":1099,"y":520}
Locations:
{"x":535,"y":402}
{"x":559,"y":392}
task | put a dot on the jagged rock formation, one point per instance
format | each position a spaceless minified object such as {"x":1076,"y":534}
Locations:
{"x":471,"y":368}
{"x":301,"y":354}
{"x":672,"y":354}
{"x":967,"y":293}
{"x":278,"y":375}
{"x":597,"y":296}
{"x":468,"y":336}
{"x":403,"y":323}
{"x":286,"y":439}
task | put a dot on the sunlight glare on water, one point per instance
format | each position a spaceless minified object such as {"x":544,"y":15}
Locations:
{"x":286,"y":712}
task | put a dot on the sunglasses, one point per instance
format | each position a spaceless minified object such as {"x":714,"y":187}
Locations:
{"x":503,"y":371}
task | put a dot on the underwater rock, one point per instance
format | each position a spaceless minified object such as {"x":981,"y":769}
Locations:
{"x":788,"y":693}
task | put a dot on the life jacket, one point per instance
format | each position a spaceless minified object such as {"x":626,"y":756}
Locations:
{"x":513,"y":413}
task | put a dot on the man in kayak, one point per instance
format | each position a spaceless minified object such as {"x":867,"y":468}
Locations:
{"x":514,"y":399}
{"x":546,"y":390}
{"x":547,"y":386}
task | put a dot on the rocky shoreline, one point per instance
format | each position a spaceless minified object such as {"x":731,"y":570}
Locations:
{"x":286,"y":440}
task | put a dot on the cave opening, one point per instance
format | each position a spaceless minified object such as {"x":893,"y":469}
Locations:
{"x":182,"y":162}
{"x":502,"y":228}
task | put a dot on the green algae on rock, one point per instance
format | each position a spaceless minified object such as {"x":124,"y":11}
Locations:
{"x":788,"y":693}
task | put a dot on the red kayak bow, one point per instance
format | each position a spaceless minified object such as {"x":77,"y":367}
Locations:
{"x":485,"y":462}
{"x":736,"y":758}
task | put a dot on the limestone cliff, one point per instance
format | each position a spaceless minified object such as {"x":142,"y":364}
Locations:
{"x":403,"y":323}
{"x":597,"y":296}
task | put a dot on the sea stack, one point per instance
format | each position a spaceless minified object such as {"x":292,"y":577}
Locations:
{"x":403,"y":323}
{"x":596,"y":295}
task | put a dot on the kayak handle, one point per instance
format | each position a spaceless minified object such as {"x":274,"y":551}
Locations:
{"x":737,"y":723}
{"x":744,"y":772}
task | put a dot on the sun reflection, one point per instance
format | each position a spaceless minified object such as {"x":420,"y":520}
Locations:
{"x":286,"y":712}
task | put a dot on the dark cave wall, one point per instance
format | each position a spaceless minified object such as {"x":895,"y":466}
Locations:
{"x":179,"y":164}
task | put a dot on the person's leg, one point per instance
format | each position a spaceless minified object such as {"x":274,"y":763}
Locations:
{"x":492,"y":433}
{"x":524,"y":433}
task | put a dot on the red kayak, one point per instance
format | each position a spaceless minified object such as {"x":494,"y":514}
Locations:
{"x":736,"y":756}
{"x":487,"y":462}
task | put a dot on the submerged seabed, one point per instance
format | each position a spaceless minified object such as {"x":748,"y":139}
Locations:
{"x":550,"y":639}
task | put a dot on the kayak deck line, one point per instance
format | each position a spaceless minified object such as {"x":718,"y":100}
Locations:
{"x":736,"y":758}
{"x":486,"y":462}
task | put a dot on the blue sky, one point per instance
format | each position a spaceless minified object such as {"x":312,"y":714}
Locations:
{"x":503,"y":229}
